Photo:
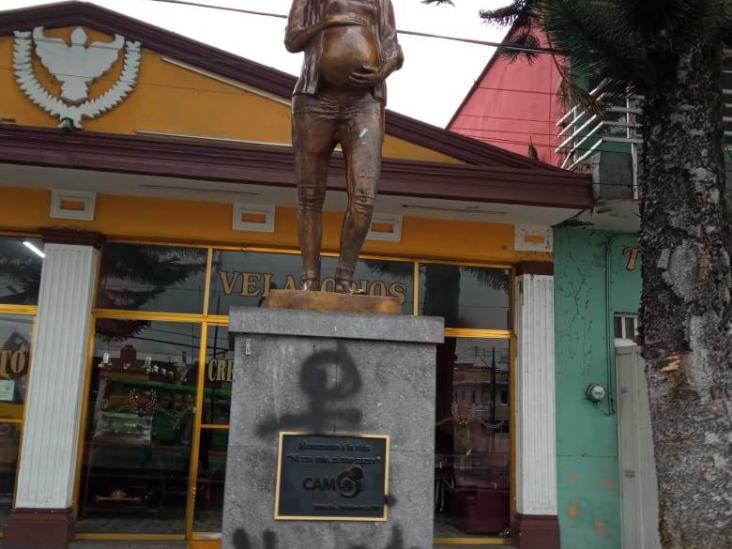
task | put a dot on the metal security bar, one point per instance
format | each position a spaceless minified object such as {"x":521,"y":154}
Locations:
{"x":585,"y":133}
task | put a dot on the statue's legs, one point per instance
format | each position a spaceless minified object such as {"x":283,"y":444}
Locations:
{"x":361,"y":134}
{"x":356,"y":121}
{"x":313,"y":140}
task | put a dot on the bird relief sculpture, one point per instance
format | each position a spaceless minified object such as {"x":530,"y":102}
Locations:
{"x":75,"y":66}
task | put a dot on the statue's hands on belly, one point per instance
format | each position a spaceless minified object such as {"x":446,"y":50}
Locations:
{"x":346,"y":19}
{"x":368,"y":75}
{"x":349,"y":50}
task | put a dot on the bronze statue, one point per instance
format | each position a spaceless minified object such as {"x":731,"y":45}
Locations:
{"x":350,"y":49}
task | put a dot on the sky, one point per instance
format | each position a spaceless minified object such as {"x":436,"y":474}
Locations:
{"x":436,"y":76}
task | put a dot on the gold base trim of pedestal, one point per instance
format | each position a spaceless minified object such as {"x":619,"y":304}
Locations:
{"x":328,"y":301}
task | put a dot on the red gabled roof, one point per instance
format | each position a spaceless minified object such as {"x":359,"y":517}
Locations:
{"x":478,"y":80}
{"x":515,"y":103}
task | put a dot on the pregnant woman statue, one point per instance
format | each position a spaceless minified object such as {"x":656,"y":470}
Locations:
{"x":350,"y":49}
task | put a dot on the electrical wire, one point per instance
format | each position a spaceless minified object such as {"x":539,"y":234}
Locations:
{"x":496,"y":117}
{"x":400,"y":31}
{"x":222,"y":8}
{"x":537,"y":92}
{"x":463,"y":129}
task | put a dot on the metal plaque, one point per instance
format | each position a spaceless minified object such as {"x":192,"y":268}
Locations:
{"x":324,"y":477}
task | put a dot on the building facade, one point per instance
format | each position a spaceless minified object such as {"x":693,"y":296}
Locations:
{"x":597,"y":282}
{"x":146,"y":186}
{"x":605,"y":474}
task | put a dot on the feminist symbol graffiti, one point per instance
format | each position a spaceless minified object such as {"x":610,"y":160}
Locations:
{"x":323,"y":395}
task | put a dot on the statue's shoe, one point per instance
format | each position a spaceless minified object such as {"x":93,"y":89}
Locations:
{"x":311,"y":285}
{"x":347,"y":286}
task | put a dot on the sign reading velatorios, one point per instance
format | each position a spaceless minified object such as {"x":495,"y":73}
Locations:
{"x":245,"y":278}
{"x":259,"y":285}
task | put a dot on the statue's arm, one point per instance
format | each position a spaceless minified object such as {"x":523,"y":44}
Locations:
{"x":392,"y":49}
{"x":298,"y":34}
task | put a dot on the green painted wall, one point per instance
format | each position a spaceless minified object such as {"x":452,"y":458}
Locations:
{"x":587,"y":448}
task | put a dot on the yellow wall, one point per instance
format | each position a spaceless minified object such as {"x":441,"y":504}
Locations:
{"x":169,"y":98}
{"x":191,"y":222}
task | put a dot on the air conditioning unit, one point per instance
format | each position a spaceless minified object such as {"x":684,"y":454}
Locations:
{"x":613,"y":173}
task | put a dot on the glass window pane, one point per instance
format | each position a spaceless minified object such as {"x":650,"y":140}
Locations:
{"x":473,"y":438}
{"x":141,"y":414}
{"x":618,"y":327}
{"x":218,"y":377}
{"x":467,"y":297}
{"x":9,"y":443}
{"x":15,"y":342}
{"x":210,"y":483}
{"x":245,"y":278}
{"x":152,"y":278}
{"x":20,"y":271}
{"x":630,"y":327}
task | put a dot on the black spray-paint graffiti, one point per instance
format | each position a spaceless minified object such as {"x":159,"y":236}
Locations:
{"x":269,"y":539}
{"x":322,"y":414}
{"x":241,"y":540}
{"x":325,"y":412}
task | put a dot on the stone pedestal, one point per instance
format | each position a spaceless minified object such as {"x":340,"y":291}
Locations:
{"x":330,"y":374}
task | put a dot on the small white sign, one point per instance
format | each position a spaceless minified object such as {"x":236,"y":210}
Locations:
{"x":7,"y":389}
{"x":385,"y":227}
{"x":259,"y":218}
{"x":533,"y":238}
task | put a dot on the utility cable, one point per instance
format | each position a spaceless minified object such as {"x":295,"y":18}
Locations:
{"x":406,"y":32}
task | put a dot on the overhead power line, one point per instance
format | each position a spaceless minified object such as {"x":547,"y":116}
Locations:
{"x":223,"y":8}
{"x":405,"y":32}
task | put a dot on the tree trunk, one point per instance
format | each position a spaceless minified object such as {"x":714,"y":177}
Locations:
{"x":685,"y":306}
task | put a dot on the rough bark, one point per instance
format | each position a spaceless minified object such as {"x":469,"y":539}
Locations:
{"x":685,"y":309}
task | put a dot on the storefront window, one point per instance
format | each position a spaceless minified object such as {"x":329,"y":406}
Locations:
{"x":15,"y":347}
{"x":210,"y":482}
{"x":467,"y":297}
{"x":9,"y":444}
{"x":142,"y":419}
{"x":140,"y":426}
{"x":472,"y":438}
{"x":245,"y":278}
{"x":15,"y":344}
{"x":219,"y":376}
{"x":20,"y":270}
{"x":152,"y":278}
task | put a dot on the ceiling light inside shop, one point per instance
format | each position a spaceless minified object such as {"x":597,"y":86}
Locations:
{"x":33,"y":248}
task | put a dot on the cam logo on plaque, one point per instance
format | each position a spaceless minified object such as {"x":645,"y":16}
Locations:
{"x":332,"y":477}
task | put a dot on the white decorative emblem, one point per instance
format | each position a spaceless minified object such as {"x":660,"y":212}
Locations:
{"x":76,"y":67}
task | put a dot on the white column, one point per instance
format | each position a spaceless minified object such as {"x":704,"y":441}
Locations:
{"x":536,"y":460}
{"x":55,"y":387}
